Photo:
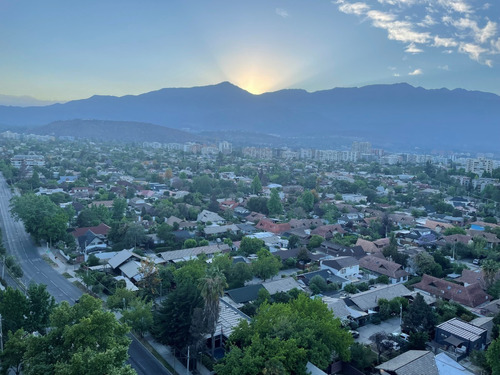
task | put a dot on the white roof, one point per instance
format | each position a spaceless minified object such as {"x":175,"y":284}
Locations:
{"x":369,"y":299}
{"x":122,"y":257}
{"x":281,"y":285}
{"x":447,"y":366}
{"x":177,"y":255}
{"x":128,"y":284}
{"x":229,"y":318}
{"x":131,"y":269}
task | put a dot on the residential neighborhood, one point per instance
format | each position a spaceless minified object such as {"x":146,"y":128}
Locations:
{"x":402,"y":253}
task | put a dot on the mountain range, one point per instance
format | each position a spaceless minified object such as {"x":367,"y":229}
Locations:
{"x":391,"y":116}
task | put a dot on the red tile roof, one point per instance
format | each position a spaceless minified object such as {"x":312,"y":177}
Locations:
{"x":471,"y":295}
{"x":100,"y":229}
{"x":269,"y":226}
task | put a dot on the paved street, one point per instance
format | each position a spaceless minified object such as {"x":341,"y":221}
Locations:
{"x":19,"y":244}
{"x":389,"y":326}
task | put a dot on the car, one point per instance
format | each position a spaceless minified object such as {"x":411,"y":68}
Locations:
{"x":390,"y":344}
{"x":354,"y":334}
{"x":475,"y":261}
{"x":405,"y":336}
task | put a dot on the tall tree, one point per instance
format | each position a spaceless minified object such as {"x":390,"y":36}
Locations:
{"x":490,"y":269}
{"x":13,"y":355}
{"x":274,"y":203}
{"x":40,"y":306}
{"x":419,"y":317}
{"x":212,"y":288}
{"x":256,"y":185}
{"x":14,"y":309}
{"x":493,"y":357}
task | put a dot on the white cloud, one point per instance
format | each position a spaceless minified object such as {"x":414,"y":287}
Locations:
{"x":444,"y":67}
{"x":427,"y":21}
{"x":444,"y":42}
{"x":451,"y":25}
{"x":458,"y":6}
{"x":473,"y":50}
{"x":489,"y":63}
{"x":396,"y":75}
{"x":282,"y":12}
{"x":412,"y":48}
{"x":480,"y":35}
{"x":416,"y":72}
{"x":355,"y":8}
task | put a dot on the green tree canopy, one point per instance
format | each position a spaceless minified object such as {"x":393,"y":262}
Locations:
{"x":274,"y":203}
{"x":266,"y":265}
{"x":304,"y":327}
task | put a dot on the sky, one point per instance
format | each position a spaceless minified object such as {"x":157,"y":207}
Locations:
{"x":65,"y":50}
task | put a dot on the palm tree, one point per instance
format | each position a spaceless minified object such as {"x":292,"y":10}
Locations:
{"x":212,"y":288}
{"x":490,"y":269}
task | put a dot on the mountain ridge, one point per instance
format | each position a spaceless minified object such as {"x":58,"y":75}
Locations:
{"x":384,"y":114}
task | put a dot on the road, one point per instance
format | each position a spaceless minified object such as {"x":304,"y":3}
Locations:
{"x":19,"y":243}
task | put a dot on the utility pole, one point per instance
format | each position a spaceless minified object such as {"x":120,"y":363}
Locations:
{"x":1,"y":335}
{"x":187,"y":365}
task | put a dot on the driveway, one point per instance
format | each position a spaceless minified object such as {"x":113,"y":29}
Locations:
{"x":389,"y":326}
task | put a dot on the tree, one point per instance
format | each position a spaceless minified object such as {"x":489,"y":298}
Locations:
{"x":120,"y":299}
{"x":83,"y":339}
{"x":266,"y":265}
{"x":274,"y":203}
{"x":490,"y":269}
{"x":173,"y":320}
{"x":256,"y":185}
{"x":42,"y":218}
{"x":13,"y":355}
{"x":284,"y":336}
{"x":315,"y":241}
{"x":40,"y":306}
{"x":14,"y":309}
{"x":493,"y":356}
{"x":134,"y":235}
{"x":379,"y":339}
{"x":250,"y":245}
{"x":118,"y":208}
{"x":212,"y":288}
{"x":138,"y":315}
{"x":362,"y":357}
{"x":420,"y":317}
{"x":307,"y":200}
{"x":293,"y":241}
{"x":190,"y":243}
{"x":427,"y":265}
{"x":317,"y":284}
{"x":239,"y":273}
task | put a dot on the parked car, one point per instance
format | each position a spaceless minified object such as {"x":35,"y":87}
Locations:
{"x":354,"y":334}
{"x":475,"y":261}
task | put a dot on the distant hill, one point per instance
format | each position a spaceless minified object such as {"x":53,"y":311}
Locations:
{"x":391,"y":116}
{"x":121,"y":131}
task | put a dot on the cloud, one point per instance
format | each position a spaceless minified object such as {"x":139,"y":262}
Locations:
{"x":416,"y":72}
{"x":458,"y":6}
{"x":427,"y":21}
{"x":444,"y":42}
{"x":282,"y":12}
{"x":354,"y":8}
{"x":489,"y":63}
{"x":396,"y":75}
{"x":473,"y":50}
{"x":444,"y":67}
{"x":412,"y":48}
{"x":450,"y":25}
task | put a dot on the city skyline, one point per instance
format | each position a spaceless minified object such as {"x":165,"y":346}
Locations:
{"x":62,"y":51}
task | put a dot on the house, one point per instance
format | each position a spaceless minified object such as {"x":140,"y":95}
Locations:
{"x":337,"y":250}
{"x":206,"y":216}
{"x":342,"y":311}
{"x":220,"y":229}
{"x":379,"y":266}
{"x":244,"y":294}
{"x":305,"y":223}
{"x":346,"y":267}
{"x":91,"y":237}
{"x":368,"y":246}
{"x":460,"y":337}
{"x":368,"y":301}
{"x":187,"y":254}
{"x":471,"y":295}
{"x":327,"y":275}
{"x":281,"y":285}
{"x":328,"y":231}
{"x":490,"y":238}
{"x":268,"y":226}
{"x":470,"y":277}
{"x":422,"y":362}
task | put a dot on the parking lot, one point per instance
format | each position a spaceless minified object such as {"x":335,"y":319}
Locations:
{"x":389,"y":326}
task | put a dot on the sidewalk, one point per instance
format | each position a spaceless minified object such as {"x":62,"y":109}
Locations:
{"x":60,"y":265}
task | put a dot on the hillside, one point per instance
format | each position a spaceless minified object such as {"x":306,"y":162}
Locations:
{"x":388,"y":115}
